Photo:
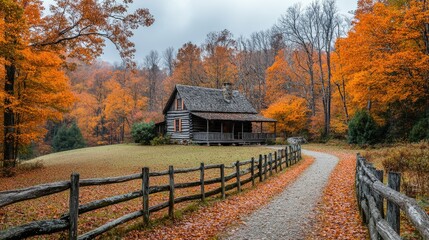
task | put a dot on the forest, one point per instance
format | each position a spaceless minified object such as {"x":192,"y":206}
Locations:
{"x":315,"y":71}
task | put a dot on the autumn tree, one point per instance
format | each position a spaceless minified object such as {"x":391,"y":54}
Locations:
{"x":297,"y":29}
{"x":291,"y":113}
{"x":312,"y":30}
{"x":75,"y":29}
{"x":388,"y":62}
{"x":189,"y":67}
{"x":287,"y":76}
{"x":219,"y":58}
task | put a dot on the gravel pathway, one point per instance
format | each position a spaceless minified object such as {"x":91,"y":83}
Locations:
{"x":289,"y":215}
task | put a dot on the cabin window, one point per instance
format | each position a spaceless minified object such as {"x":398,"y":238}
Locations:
{"x":179,"y":104}
{"x":177,"y":125}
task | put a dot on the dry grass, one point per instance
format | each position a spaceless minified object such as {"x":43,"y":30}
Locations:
{"x":107,"y":161}
{"x":124,"y":159}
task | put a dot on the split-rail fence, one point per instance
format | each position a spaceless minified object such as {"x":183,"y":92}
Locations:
{"x":260,"y":169}
{"x":371,"y":193}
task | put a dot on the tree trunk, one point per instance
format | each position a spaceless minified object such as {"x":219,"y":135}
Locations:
{"x":9,"y":149}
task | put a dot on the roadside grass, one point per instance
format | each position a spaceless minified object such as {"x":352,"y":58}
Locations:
{"x":109,"y":161}
{"x":412,"y":161}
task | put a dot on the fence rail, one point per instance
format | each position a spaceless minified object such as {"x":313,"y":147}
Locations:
{"x":371,"y":193}
{"x":258,"y":169}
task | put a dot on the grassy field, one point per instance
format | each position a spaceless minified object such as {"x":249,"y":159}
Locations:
{"x":124,"y":159}
{"x":107,"y":161}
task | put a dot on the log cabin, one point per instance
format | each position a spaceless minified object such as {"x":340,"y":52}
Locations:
{"x":213,"y":116}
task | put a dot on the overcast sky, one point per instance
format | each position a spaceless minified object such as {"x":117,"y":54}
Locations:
{"x":181,"y":21}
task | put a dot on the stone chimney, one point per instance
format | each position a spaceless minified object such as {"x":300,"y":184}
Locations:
{"x":227,"y":91}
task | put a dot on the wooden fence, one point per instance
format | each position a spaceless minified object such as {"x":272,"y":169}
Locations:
{"x":257,"y":169}
{"x":371,"y":192}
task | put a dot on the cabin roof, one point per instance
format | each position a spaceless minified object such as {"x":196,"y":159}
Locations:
{"x":245,"y":117}
{"x":201,"y":99}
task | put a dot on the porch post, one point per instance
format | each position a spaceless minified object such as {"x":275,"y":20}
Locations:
{"x":242,"y":130}
{"x":221,"y":130}
{"x":275,"y":129}
{"x":233,"y":129}
{"x":207,"y":131}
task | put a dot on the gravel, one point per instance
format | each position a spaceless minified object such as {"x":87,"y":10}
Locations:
{"x":289,"y":215}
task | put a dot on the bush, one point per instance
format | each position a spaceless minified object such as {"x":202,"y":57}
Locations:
{"x":363,"y":130}
{"x":161,"y":140}
{"x":420,"y":131}
{"x":68,"y":138}
{"x":143,"y":132}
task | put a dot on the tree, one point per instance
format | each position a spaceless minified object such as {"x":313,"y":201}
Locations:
{"x":68,"y":138}
{"x":312,"y":31}
{"x":218,"y":61}
{"x":420,"y":130}
{"x":75,"y":29}
{"x":168,"y":57}
{"x":189,"y":66}
{"x":297,"y":29}
{"x":253,"y":56}
{"x":291,"y":113}
{"x":143,"y":132}
{"x":363,"y":129}
{"x":386,"y":62}
{"x":153,"y":75}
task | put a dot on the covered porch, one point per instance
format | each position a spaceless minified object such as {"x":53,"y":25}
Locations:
{"x":231,"y":128}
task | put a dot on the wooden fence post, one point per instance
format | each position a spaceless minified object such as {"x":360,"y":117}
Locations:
{"x":275,"y":161}
{"x":265,"y":166}
{"x":366,"y":192}
{"x":74,"y":205}
{"x":252,"y":171}
{"x":237,"y":169}
{"x":280,"y":156}
{"x":295,"y":154}
{"x":145,"y":190}
{"x":393,"y":217}
{"x":222,"y":180}
{"x":260,"y":168}
{"x":171,"y":196}
{"x":203,"y":194}
{"x":357,"y":182}
{"x":378,"y":198}
{"x":270,"y":162}
{"x":286,"y":157}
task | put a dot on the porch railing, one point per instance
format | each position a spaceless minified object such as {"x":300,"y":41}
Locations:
{"x":217,"y":136}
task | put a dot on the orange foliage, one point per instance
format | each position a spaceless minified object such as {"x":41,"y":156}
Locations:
{"x":42,"y":93}
{"x":219,"y":67}
{"x":291,"y":113}
{"x":189,"y":68}
{"x":110,"y":101}
{"x":33,"y":49}
{"x":387,"y":55}
{"x":338,"y":216}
